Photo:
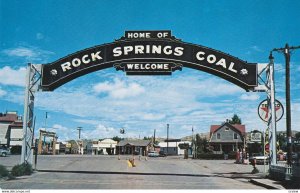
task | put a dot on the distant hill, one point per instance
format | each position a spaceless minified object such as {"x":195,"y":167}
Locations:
{"x":189,"y":138}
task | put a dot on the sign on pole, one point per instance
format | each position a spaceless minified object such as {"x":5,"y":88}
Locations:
{"x":265,"y":113}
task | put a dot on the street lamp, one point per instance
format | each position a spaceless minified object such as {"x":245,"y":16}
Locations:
{"x":122,"y":131}
{"x":79,"y":131}
{"x":79,"y":144}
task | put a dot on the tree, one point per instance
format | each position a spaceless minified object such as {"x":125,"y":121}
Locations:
{"x":281,"y":140}
{"x":235,"y":120}
{"x":147,"y":138}
{"x":297,"y":136}
{"x":201,"y":144}
{"x":118,"y":139}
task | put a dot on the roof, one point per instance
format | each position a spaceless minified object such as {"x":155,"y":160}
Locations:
{"x":172,"y":140}
{"x":8,"y":117}
{"x":239,"y":127}
{"x":16,"y":124}
{"x":108,"y":141}
{"x":134,"y":142}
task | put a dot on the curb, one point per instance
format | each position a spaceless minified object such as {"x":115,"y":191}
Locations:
{"x":124,"y":173}
{"x":253,"y":181}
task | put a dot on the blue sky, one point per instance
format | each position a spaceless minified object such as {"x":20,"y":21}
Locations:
{"x":105,"y":101}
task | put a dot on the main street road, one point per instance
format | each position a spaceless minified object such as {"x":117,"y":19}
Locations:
{"x":107,"y":172}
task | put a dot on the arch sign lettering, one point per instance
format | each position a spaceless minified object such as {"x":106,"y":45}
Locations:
{"x":149,"y":53}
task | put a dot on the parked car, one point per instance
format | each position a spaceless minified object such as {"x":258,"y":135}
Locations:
{"x":153,"y":154}
{"x":259,"y":158}
{"x":4,"y":151}
{"x":162,"y":154}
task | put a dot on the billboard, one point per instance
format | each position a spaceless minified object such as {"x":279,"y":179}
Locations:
{"x":149,"y":53}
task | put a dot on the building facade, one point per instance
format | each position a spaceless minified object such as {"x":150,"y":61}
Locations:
{"x":11,"y":129}
{"x":105,"y":147}
{"x":137,"y":147}
{"x":226,"y":138}
{"x":171,"y":147}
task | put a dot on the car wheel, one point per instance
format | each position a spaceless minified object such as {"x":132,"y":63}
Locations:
{"x":3,"y":154}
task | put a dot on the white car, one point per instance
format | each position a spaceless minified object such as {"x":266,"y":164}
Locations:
{"x":153,"y":154}
{"x":4,"y":151}
{"x":260,"y":159}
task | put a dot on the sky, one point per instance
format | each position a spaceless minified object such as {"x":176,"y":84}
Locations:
{"x":105,"y":101}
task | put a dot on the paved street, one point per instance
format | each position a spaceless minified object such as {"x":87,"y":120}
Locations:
{"x":107,"y":172}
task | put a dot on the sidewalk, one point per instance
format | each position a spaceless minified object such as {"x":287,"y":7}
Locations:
{"x":243,"y":171}
{"x":267,"y":183}
{"x":261,"y":179}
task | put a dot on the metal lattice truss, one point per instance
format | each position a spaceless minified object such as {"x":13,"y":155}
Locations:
{"x":266,"y":84}
{"x":33,"y":77}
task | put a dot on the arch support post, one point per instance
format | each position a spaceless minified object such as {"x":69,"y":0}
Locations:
{"x":33,"y":77}
{"x":271,"y":106}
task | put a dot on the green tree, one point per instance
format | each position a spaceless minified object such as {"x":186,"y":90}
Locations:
{"x":282,"y":142}
{"x":147,"y":138}
{"x":201,"y":144}
{"x":297,"y":136}
{"x":235,"y":119}
{"x":117,"y":138}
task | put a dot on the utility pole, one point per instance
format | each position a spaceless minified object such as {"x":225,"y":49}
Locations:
{"x":46,"y":117}
{"x":287,"y":54}
{"x":193,"y":142}
{"x":79,"y":131}
{"x":167,"y":139}
{"x":154,"y":136}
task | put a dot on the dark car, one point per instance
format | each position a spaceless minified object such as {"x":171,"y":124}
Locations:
{"x":162,"y":154}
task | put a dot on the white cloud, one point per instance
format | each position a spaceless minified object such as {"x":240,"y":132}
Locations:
{"x":100,"y":132}
{"x":119,"y":89}
{"x":12,"y":77}
{"x":21,"y":52}
{"x":86,"y":121}
{"x":63,"y":133}
{"x":250,"y":97}
{"x":151,"y":116}
{"x":29,"y":53}
{"x":256,"y":48}
{"x":2,"y":92}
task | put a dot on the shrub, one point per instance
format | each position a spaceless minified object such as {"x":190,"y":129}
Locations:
{"x":22,"y":169}
{"x":28,"y":169}
{"x":211,"y":156}
{"x":232,"y":155}
{"x":16,"y":150}
{"x":3,"y":171}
